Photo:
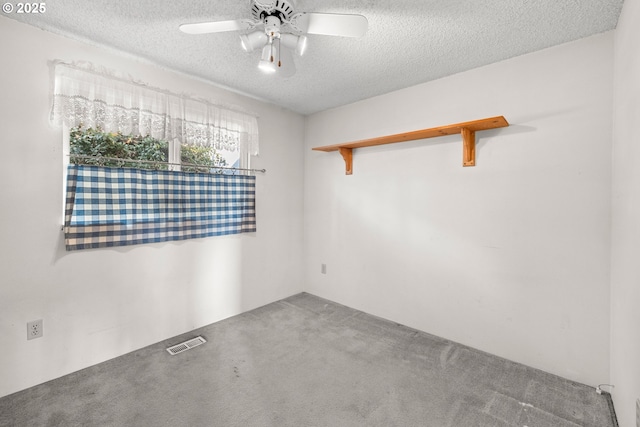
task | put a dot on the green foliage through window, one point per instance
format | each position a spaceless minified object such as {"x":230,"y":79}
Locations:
{"x":96,"y":147}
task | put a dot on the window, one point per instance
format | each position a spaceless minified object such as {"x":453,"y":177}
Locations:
{"x":141,"y":160}
{"x":96,"y":147}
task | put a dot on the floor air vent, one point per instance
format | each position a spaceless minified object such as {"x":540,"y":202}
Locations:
{"x":187,"y":345}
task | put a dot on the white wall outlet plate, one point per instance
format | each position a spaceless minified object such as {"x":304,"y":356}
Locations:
{"x":34,"y":329}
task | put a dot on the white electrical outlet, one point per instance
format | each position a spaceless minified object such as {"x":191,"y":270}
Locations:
{"x":34,"y":329}
{"x":323,"y":268}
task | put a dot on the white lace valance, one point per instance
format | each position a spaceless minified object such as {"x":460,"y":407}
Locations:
{"x":96,"y":99}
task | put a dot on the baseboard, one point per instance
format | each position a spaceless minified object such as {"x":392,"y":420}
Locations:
{"x":612,"y":410}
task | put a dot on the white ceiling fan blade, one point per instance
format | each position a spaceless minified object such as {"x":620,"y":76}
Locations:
{"x":216,"y":27}
{"x":331,"y":24}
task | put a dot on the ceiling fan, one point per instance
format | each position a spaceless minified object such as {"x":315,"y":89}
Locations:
{"x":276,"y":25}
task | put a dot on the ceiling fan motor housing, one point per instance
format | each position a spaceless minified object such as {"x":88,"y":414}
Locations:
{"x":281,"y":9}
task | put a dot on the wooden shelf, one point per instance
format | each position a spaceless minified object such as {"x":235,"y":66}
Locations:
{"x":467,"y":130}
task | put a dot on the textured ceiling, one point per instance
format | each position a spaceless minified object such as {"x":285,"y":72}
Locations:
{"x":408,"y":41}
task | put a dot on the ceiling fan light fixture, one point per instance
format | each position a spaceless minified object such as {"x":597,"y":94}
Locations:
{"x":301,"y":48}
{"x":267,"y":61}
{"x":267,"y":67}
{"x":254,"y":40}
{"x":297,"y":43}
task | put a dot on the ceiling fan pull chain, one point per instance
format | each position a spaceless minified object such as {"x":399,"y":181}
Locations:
{"x":279,"y":62}
{"x":271,"y":48}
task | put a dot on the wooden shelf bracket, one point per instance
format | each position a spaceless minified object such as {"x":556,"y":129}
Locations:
{"x":347,"y":155}
{"x":467,"y":130}
{"x":468,"y":147}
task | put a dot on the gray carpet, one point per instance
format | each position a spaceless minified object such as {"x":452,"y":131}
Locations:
{"x":306,"y":361}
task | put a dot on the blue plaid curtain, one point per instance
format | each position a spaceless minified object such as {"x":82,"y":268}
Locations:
{"x":125,"y":206}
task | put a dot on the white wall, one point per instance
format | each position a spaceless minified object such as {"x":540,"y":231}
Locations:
{"x":99,"y":304}
{"x":625,"y":277}
{"x":510,"y":257}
